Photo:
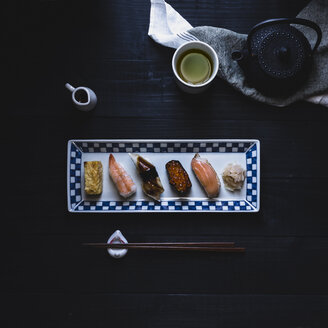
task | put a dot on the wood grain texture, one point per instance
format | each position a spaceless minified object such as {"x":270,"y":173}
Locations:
{"x":157,"y":310}
{"x":49,"y":280}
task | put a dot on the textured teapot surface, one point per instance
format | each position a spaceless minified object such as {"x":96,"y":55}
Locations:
{"x":277,"y":57}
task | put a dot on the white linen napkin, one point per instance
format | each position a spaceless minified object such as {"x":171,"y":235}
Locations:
{"x":168,"y":28}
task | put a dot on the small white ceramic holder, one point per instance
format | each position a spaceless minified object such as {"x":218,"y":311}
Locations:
{"x":90,"y":97}
{"x":117,"y":238}
{"x":189,"y":87}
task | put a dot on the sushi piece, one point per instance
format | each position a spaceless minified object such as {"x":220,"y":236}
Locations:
{"x":123,"y":182}
{"x":93,"y":177}
{"x":151,"y":185}
{"x":206,"y":175}
{"x":178,"y":177}
{"x":233,"y":176}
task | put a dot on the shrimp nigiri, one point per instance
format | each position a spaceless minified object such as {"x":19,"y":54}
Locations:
{"x":122,"y":180}
{"x":206,"y":175}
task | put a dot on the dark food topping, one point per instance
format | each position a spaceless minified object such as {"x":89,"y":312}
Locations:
{"x":178,"y":177}
{"x":151,"y":187}
{"x":147,"y":170}
{"x":151,"y":183}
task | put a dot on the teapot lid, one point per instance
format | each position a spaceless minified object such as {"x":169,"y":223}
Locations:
{"x":282,"y":54}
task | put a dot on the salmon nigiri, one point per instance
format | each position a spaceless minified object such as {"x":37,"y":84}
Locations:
{"x":206,"y":175}
{"x":122,"y":180}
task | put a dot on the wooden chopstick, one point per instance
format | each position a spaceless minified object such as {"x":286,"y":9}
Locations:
{"x":163,"y":246}
{"x":177,"y":244}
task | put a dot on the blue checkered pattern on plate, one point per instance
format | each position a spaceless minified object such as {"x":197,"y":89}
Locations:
{"x":75,"y":192}
{"x":251,"y":175}
{"x":78,"y":204}
{"x":164,"y":206}
{"x":163,"y":147}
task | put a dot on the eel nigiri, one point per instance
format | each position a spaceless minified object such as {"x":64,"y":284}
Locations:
{"x":121,"y":178}
{"x":152,"y":185}
{"x":206,"y":175}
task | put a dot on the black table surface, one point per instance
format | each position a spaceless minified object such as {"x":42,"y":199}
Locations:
{"x":50,"y":280}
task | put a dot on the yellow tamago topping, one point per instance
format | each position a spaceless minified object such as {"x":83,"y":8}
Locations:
{"x":93,"y":177}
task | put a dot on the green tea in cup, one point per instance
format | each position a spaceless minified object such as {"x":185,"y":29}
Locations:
{"x":194,"y":66}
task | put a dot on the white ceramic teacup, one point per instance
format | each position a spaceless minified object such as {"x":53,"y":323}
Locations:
{"x":83,"y":98}
{"x":189,"y":87}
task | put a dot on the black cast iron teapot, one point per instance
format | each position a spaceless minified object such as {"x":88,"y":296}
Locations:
{"x":277,"y":57}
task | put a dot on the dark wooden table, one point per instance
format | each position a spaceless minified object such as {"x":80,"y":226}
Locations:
{"x":49,"y":280}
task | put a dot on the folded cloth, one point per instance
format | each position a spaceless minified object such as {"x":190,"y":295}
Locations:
{"x":167,"y":26}
{"x":170,"y":29}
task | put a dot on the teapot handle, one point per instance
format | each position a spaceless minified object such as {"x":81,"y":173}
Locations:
{"x":299,"y":21}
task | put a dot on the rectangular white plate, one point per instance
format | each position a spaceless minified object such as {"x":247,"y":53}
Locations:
{"x":218,"y":152}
